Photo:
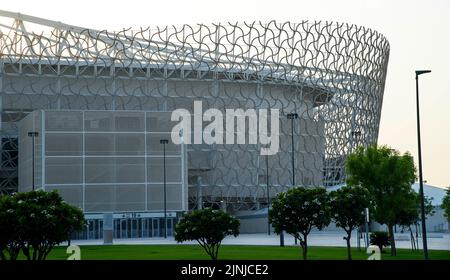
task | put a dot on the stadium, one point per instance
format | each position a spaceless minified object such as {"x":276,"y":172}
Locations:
{"x":85,"y":111}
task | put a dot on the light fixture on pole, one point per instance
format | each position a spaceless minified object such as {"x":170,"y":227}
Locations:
{"x":422,"y":203}
{"x":33,"y":135}
{"x":164,"y":142}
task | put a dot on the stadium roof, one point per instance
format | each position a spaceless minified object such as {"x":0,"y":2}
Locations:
{"x":32,"y":40}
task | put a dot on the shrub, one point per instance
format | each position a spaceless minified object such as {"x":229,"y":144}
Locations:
{"x":380,"y":239}
{"x":9,"y":226}
{"x":208,"y":227}
{"x":40,"y":221}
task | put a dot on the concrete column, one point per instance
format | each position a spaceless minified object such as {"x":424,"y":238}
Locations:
{"x":108,"y":227}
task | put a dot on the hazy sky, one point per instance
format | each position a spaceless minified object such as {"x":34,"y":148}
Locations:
{"x":418,"y":32}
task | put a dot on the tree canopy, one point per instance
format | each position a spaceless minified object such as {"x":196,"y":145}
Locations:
{"x":299,"y":210}
{"x":347,"y":206}
{"x":39,"y":220}
{"x":10,"y":244}
{"x":208,"y":227}
{"x":388,"y":176}
{"x":411,"y":212}
{"x":446,"y":204}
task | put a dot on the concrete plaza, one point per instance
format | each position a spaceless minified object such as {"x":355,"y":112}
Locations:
{"x":436,"y":241}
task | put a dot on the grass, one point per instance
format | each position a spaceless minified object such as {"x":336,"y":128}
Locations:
{"x":230,"y":252}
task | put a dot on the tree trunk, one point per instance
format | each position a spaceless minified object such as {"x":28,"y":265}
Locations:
{"x":392,"y":240}
{"x":210,"y":252}
{"x":26,"y":252}
{"x":13,"y":252}
{"x":413,"y":241}
{"x":349,"y":248}
{"x":34,"y":253}
{"x":304,"y":244}
{"x":216,"y":252}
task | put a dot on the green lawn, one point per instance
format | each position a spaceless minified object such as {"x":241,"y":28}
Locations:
{"x":229,"y":252}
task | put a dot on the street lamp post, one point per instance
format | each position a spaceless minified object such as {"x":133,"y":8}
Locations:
{"x":422,"y":203}
{"x":32,"y":134}
{"x":164,"y":142}
{"x":268,"y":194}
{"x":292,"y":117}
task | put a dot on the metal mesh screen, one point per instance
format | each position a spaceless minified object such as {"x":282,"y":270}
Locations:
{"x":331,"y":74}
{"x":110,"y":166}
{"x":63,"y":170}
{"x":155,"y":196}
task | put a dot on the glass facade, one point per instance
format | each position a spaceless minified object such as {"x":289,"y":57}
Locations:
{"x":142,"y":225}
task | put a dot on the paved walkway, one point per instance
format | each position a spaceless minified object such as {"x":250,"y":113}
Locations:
{"x":436,"y":241}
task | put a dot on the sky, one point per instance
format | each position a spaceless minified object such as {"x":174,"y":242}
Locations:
{"x":418,"y":33}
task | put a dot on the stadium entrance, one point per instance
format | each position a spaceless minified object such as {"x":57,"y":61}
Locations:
{"x":142,"y":225}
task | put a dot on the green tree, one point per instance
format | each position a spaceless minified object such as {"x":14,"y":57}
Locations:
{"x":347,"y":206}
{"x":446,"y":204}
{"x":45,"y":220}
{"x":208,"y":227}
{"x":410,"y":214}
{"x":299,"y":210}
{"x":9,"y":225}
{"x":388,"y":176}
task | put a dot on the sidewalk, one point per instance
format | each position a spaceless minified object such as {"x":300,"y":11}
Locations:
{"x":439,"y":241}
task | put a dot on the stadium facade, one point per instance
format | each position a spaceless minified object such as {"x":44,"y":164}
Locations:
{"x":101,"y":101}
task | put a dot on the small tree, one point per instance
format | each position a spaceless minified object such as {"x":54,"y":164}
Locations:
{"x":347,"y":205}
{"x":9,"y":225}
{"x":45,"y":220}
{"x":299,"y":210}
{"x":411,"y":212}
{"x":446,"y":204}
{"x":388,"y":176}
{"x":380,"y":239}
{"x":208,"y":227}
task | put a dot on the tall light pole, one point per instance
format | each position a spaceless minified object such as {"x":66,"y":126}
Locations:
{"x":422,"y":203}
{"x":164,"y":142}
{"x":32,"y":134}
{"x":268,"y":194}
{"x":292,"y":117}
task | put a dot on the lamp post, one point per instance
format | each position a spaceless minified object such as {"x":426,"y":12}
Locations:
{"x":268,"y":194}
{"x":292,"y":117}
{"x":422,"y":204}
{"x":32,"y":134}
{"x":164,"y":142}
